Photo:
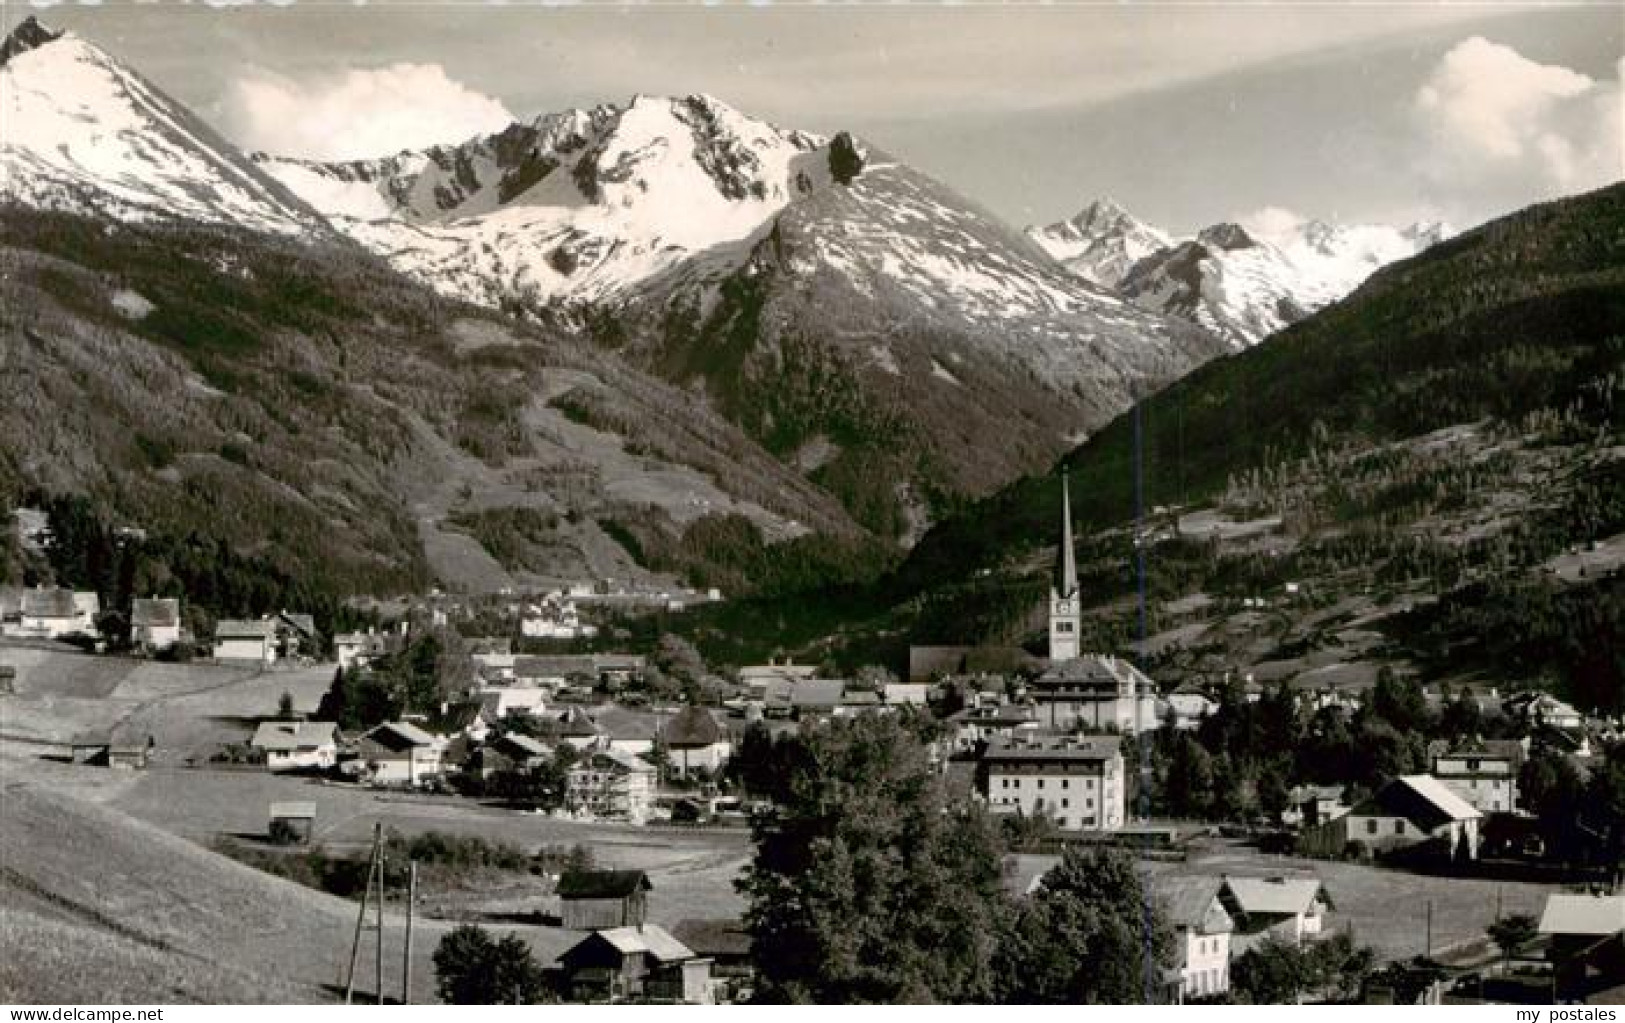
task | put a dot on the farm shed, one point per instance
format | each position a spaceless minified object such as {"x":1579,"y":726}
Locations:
{"x":591,"y":899}
{"x":292,"y":823}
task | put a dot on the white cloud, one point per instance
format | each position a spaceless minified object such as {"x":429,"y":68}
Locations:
{"x":1271,"y":222}
{"x":1493,"y":123}
{"x":360,"y":113}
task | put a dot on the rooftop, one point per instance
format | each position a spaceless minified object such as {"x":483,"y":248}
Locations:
{"x":1595,"y":915}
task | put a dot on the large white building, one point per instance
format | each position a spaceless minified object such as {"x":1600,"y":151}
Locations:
{"x":610,"y":783}
{"x":1076,"y":780}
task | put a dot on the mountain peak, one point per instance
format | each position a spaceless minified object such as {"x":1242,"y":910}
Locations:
{"x":28,"y":35}
{"x":1227,"y":236}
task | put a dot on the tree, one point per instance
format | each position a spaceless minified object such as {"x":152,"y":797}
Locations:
{"x":866,"y":885}
{"x":1272,"y":972}
{"x":1088,"y":935}
{"x":472,"y":969}
{"x":1511,"y":933}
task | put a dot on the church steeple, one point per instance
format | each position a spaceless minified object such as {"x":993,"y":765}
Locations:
{"x":1066,"y":567}
{"x":1065,"y":617}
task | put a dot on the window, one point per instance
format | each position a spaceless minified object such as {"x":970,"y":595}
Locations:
{"x":1040,"y":783}
{"x":1399,"y":827}
{"x":1065,"y":783}
{"x":1063,"y":626}
{"x":1064,"y":804}
{"x":1371,"y":827}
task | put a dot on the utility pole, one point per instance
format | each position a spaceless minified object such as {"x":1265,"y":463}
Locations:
{"x":361,"y":915}
{"x":381,"y":924}
{"x":1428,"y":950}
{"x":406,"y":961}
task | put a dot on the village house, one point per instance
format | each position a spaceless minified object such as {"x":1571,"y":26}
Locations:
{"x":611,"y":784}
{"x":47,"y":613}
{"x":501,"y":701}
{"x":905,"y":694}
{"x":816,"y":698}
{"x":644,"y":964}
{"x":513,"y":752}
{"x":1077,"y":780}
{"x":401,"y":753}
{"x":295,"y":745}
{"x":974,"y":727}
{"x":580,"y":732}
{"x":1202,"y":928}
{"x":1289,"y":909}
{"x":554,"y":671}
{"x":1312,"y":805}
{"x":245,"y":642}
{"x":359,"y":649}
{"x":1484,"y":773}
{"x":1535,"y":708}
{"x":155,"y":622}
{"x":1416,"y":813}
{"x":1586,"y":942}
{"x":593,"y":899}
{"x":727,"y":944}
{"x":554,"y":617}
{"x":695,"y":741}
{"x":296,"y":635}
{"x":1189,"y":706}
{"x":627,"y":729}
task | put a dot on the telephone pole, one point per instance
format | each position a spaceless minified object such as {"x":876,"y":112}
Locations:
{"x":361,"y":915}
{"x":406,"y":960}
{"x":381,"y":924}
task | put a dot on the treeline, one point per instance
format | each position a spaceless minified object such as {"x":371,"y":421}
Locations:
{"x":1571,"y":636}
{"x":87,"y":551}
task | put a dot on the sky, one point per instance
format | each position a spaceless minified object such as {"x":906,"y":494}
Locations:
{"x":1186,"y":113}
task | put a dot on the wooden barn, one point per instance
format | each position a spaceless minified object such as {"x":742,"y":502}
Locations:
{"x":639,"y":964}
{"x":594,"y":899}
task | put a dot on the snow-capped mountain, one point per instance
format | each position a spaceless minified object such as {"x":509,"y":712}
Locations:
{"x":573,"y":207}
{"x":1241,"y":285}
{"x":841,"y":305}
{"x":1102,"y":243}
{"x":889,"y":339}
{"x":80,"y":131}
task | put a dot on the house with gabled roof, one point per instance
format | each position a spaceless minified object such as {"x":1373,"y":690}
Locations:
{"x":155,"y":622}
{"x":49,"y":612}
{"x":294,"y":745}
{"x":1289,"y":909}
{"x":695,"y":741}
{"x":580,"y":732}
{"x":1416,"y":813}
{"x":401,"y":753}
{"x":1202,"y":929}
